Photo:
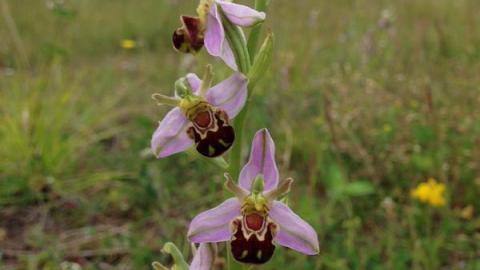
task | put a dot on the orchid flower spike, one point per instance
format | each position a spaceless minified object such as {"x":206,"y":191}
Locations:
{"x":203,"y":259}
{"x":207,"y":29}
{"x":201,"y":115}
{"x":254,"y":220}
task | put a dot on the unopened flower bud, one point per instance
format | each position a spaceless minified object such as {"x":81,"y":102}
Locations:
{"x":262,"y":61}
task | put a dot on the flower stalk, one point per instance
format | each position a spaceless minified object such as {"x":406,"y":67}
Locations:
{"x":220,"y":162}
{"x":261,"y":63}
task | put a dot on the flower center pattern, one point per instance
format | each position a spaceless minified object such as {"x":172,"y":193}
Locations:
{"x":210,"y":127}
{"x":253,"y":232}
{"x":254,"y":221}
{"x":203,"y":119}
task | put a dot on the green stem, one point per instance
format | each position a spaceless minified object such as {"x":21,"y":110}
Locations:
{"x":218,"y":161}
{"x":229,"y":256}
{"x":236,"y":152}
{"x":244,"y":58}
{"x":238,"y":44}
{"x":260,"y":5}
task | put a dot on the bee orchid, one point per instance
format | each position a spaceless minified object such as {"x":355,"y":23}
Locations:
{"x":254,"y":220}
{"x":207,"y":29}
{"x":201,"y":116}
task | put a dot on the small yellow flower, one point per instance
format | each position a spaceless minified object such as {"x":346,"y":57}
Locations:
{"x":430,"y":192}
{"x":128,"y":44}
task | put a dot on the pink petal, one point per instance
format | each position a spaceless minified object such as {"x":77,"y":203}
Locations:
{"x":213,"y":225}
{"x":228,"y":57}
{"x":262,"y":161}
{"x":229,"y":95}
{"x":215,"y":41}
{"x":241,"y":15}
{"x":171,"y":135}
{"x":214,"y":34}
{"x":294,"y":232}
{"x":204,"y":258}
{"x":194,"y":82}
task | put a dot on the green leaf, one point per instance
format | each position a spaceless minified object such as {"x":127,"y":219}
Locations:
{"x":359,"y":188}
{"x":423,"y":134}
{"x":336,"y":182}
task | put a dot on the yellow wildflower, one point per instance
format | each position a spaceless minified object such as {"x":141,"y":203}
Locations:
{"x":128,"y":44}
{"x":430,"y":192}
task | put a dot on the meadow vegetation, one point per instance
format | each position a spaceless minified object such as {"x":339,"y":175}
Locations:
{"x":365,"y":100}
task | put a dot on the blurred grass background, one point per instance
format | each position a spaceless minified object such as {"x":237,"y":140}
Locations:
{"x":365,"y":99}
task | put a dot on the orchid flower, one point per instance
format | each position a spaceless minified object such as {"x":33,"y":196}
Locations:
{"x":203,"y":258}
{"x":201,"y":115}
{"x":207,"y":29}
{"x":254,"y":220}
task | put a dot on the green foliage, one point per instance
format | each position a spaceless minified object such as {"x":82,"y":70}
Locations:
{"x":340,"y":189}
{"x":364,"y":99}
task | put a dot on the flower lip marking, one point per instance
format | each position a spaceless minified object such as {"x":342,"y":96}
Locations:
{"x":254,"y":221}
{"x":199,"y":112}
{"x":253,"y":248}
{"x":203,"y":119}
{"x":210,"y":127}
{"x":253,"y":231}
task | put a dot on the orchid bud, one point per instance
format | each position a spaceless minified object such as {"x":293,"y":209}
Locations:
{"x":262,"y":61}
{"x":179,"y":262}
{"x":203,"y":257}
